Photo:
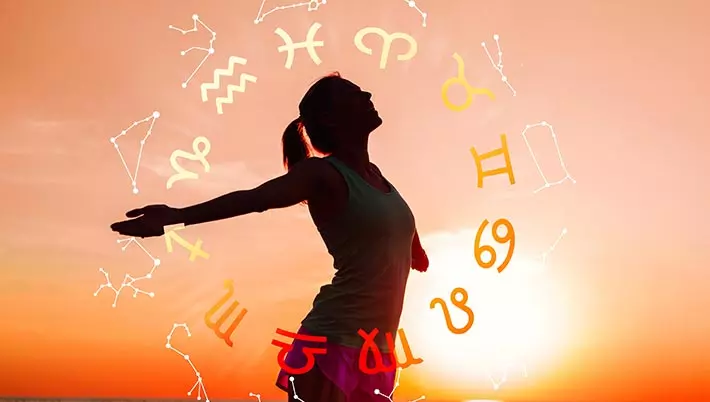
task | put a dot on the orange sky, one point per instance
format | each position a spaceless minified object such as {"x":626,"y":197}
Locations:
{"x":622,"y":82}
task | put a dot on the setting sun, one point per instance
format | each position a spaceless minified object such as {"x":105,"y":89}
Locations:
{"x":519,"y":318}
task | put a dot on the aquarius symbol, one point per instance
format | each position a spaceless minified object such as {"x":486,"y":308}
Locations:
{"x":460,"y":79}
{"x":503,"y":150}
{"x":195,"y":249}
{"x":215,"y":326}
{"x":309,"y":44}
{"x":461,"y":304}
{"x":228,"y":72}
{"x":199,"y":384}
{"x":197,"y":155}
{"x":509,"y":237}
{"x":387,"y":43}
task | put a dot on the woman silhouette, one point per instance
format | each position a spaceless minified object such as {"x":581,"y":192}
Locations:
{"x":366,"y":225}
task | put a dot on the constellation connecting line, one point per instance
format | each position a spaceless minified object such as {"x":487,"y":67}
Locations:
{"x":293,"y":385}
{"x":198,"y":384}
{"x":550,"y":249}
{"x":498,"y":66}
{"x":257,"y":396}
{"x":208,"y":50}
{"x":559,"y":156}
{"x":413,"y":4}
{"x":128,"y":280}
{"x":504,"y":378}
{"x":312,"y":6}
{"x":396,"y":384}
{"x":134,"y":176}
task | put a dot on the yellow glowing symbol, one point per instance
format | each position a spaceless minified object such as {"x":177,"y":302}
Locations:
{"x":194,"y":249}
{"x":387,"y":39}
{"x":197,"y":155}
{"x":503,"y":150}
{"x":309,"y":44}
{"x":460,"y":79}
{"x":461,"y":304}
{"x":508,"y":238}
{"x":215,"y":326}
{"x":228,"y":72}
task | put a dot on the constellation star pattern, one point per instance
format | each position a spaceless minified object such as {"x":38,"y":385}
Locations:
{"x":504,"y":378}
{"x":209,"y":51}
{"x":134,"y":176}
{"x":498,"y":66}
{"x":257,"y":396}
{"x":559,"y":156}
{"x":413,"y":4}
{"x":396,"y":384}
{"x":293,"y":385}
{"x":312,"y":6}
{"x":199,"y":385}
{"x":128,"y":280}
{"x":549,"y":251}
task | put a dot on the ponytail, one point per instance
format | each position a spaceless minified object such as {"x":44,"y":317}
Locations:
{"x":294,"y":145}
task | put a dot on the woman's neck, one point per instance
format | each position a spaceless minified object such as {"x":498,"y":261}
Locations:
{"x":356,"y":157}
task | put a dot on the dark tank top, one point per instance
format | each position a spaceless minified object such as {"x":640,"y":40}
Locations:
{"x":371,"y":246}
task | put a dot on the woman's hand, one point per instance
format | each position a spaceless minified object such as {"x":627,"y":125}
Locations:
{"x":148,"y":221}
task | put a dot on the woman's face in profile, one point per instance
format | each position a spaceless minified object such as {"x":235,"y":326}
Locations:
{"x":353,"y":108}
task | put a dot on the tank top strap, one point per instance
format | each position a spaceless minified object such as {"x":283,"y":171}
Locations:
{"x":356,"y":184}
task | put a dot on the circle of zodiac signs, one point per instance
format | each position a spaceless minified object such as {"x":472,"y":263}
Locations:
{"x":371,"y":359}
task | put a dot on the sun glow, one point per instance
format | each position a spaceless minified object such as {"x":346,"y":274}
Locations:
{"x":519,"y":323}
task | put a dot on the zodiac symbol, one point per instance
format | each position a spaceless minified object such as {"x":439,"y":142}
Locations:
{"x":215,"y":326}
{"x":460,"y":79}
{"x":509,"y":237}
{"x":503,"y":150}
{"x":559,"y":156}
{"x":309,"y":44}
{"x":195,"y":249}
{"x":498,"y":66}
{"x":198,"y":384}
{"x":312,"y":6}
{"x":208,"y":51}
{"x":134,"y":176}
{"x":379,"y":366}
{"x":461,"y":304}
{"x":228,"y":72}
{"x":387,"y":43}
{"x":310,"y":352}
{"x":197,"y":155}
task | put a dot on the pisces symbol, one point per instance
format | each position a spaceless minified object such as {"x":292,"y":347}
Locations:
{"x":215,"y":326}
{"x":461,"y":304}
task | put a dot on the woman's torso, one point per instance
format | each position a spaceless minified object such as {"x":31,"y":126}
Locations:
{"x":368,"y":230}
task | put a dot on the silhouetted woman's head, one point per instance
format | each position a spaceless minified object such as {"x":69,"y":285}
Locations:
{"x":334,"y":113}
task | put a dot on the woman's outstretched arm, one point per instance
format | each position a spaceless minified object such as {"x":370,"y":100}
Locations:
{"x":298,"y":185}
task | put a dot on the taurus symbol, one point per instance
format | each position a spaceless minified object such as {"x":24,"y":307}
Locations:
{"x":387,"y":43}
{"x":458,"y":303}
{"x":460,"y":79}
{"x":309,"y":44}
{"x":229,"y":285}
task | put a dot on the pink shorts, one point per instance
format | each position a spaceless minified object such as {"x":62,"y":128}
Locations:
{"x":340,"y":365}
